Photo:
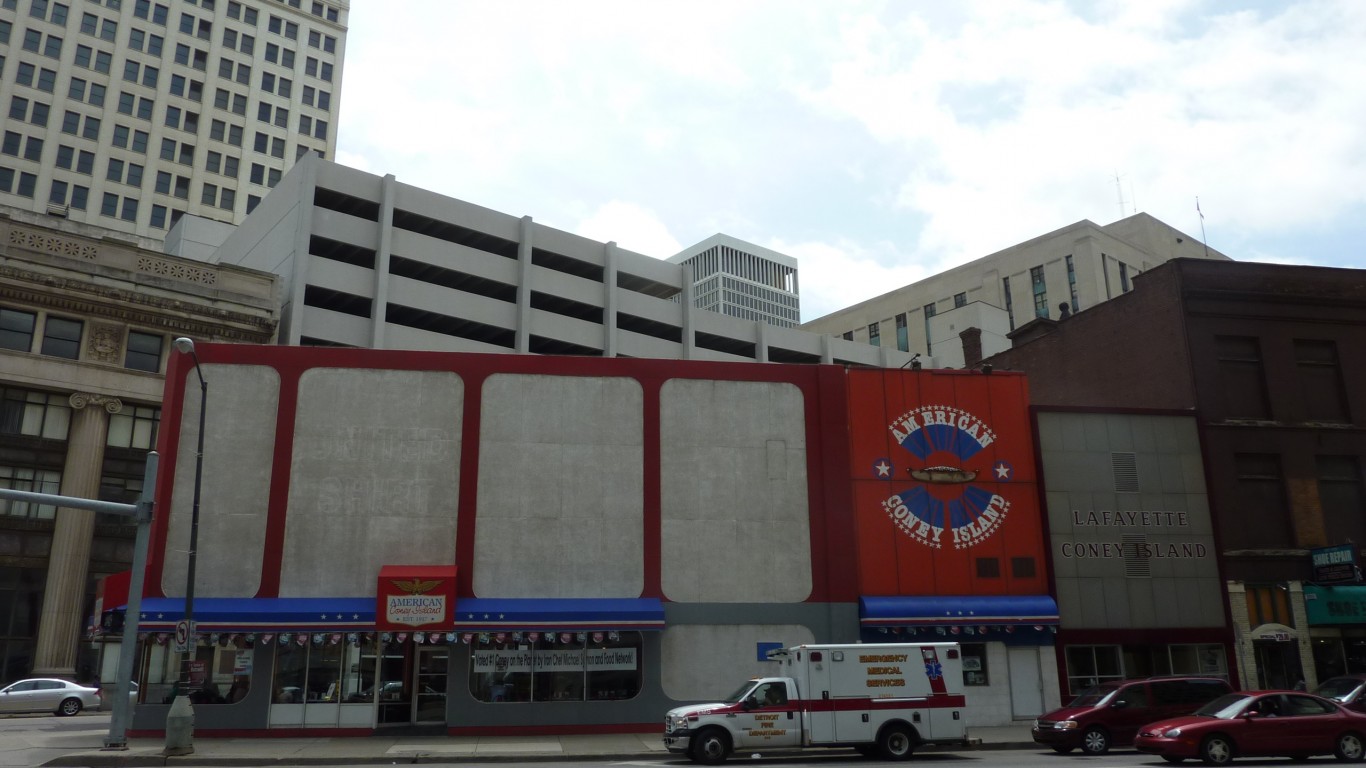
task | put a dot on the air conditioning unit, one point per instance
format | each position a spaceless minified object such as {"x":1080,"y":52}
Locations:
{"x":57,"y":210}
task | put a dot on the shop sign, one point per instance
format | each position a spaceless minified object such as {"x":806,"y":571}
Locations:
{"x":569,"y":660}
{"x":939,"y":432}
{"x":415,"y":597}
{"x":1334,"y":564}
{"x":199,"y":672}
{"x":1335,"y":606}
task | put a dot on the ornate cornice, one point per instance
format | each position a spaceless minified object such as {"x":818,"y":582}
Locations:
{"x":91,"y":299}
{"x":53,"y":244}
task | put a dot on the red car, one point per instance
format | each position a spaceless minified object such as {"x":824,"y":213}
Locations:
{"x":1258,"y":724}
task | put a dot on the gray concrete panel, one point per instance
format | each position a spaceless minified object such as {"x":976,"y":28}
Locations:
{"x":561,"y":478}
{"x":734,"y":507}
{"x":379,"y":487}
{"x":239,"y":433}
{"x":703,"y":662}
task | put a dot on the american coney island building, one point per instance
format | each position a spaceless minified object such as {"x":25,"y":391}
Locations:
{"x":491,"y":543}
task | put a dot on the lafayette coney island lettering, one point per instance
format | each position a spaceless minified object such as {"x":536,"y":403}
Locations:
{"x":968,"y":511}
{"x":1163,"y":520}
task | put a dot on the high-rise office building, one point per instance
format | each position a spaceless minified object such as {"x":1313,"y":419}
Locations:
{"x":126,"y":114}
{"x":743,"y":280}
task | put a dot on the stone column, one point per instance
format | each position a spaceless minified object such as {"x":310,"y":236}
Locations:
{"x":68,"y":561}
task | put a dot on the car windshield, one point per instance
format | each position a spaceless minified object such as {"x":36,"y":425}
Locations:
{"x":1095,"y":696}
{"x":740,"y":692}
{"x":1225,"y":707}
{"x":1338,"y":688}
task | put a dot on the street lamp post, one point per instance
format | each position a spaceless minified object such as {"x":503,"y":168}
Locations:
{"x":180,"y":719}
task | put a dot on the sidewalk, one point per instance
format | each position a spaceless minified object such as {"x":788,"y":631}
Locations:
{"x":380,"y":750}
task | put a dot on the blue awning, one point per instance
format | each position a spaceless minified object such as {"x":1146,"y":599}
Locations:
{"x":515,"y":614}
{"x":955,"y":610}
{"x":260,"y":614}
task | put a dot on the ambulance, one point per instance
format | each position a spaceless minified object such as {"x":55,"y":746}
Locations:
{"x":881,"y":699}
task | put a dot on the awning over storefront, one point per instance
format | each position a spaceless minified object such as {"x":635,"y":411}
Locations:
{"x":958,"y":610}
{"x":513,"y":614}
{"x":260,"y":614}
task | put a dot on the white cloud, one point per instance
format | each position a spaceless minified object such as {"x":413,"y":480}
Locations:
{"x":881,"y":140}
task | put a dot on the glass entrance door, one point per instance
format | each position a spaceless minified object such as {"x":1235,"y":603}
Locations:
{"x":429,"y":684}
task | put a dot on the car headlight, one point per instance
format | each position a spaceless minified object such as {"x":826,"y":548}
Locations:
{"x":1171,"y":733}
{"x":1065,"y":725}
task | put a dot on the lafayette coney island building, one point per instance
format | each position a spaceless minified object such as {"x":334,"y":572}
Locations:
{"x":521,"y":544}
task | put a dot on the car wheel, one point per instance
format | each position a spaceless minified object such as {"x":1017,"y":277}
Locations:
{"x":1172,"y":758}
{"x":1216,"y":750}
{"x":896,"y":743}
{"x":69,"y":707}
{"x":1349,"y":748}
{"x":1095,"y":741}
{"x":1062,"y":750}
{"x":711,"y":746}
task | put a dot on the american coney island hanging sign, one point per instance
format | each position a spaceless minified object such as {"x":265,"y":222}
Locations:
{"x":945,"y":500}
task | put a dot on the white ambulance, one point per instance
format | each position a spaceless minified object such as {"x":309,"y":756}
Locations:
{"x":881,"y":699}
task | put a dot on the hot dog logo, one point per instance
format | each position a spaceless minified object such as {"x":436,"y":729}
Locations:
{"x":942,"y":442}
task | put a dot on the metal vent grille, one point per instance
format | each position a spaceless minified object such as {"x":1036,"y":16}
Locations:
{"x":1137,"y":564}
{"x":1125,"y":466}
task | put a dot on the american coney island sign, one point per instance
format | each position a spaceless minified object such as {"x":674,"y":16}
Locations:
{"x":944,"y":498}
{"x":415,"y":603}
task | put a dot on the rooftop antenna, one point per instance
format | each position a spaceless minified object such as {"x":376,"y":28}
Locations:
{"x":1119,"y":192}
{"x":1133,"y":198}
{"x":1202,"y":226}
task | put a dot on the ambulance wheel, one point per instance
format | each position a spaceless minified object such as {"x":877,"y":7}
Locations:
{"x":896,"y":742}
{"x":711,"y":746}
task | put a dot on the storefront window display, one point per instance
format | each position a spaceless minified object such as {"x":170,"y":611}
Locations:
{"x":218,"y":672}
{"x":1089,"y":665}
{"x":558,"y":667}
{"x":975,"y":664}
{"x":318,"y":668}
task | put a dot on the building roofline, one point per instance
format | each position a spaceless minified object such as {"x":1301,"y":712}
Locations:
{"x":732,"y":242}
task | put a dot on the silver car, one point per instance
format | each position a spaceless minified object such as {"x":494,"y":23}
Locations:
{"x":60,"y":697}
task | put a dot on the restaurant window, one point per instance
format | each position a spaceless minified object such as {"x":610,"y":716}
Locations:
{"x":323,"y":667}
{"x":555,"y":667}
{"x":212,"y":672}
{"x":975,"y":664}
{"x":1091,"y":665}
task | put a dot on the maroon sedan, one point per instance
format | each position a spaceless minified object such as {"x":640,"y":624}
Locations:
{"x":1258,"y":724}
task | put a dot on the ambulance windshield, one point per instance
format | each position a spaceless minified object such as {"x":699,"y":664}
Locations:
{"x":740,"y":692}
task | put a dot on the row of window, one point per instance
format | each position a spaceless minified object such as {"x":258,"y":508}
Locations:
{"x":57,"y":336}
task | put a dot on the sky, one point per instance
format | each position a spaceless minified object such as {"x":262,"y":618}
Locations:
{"x":878,"y":143}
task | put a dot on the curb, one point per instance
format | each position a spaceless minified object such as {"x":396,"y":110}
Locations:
{"x":113,"y":759}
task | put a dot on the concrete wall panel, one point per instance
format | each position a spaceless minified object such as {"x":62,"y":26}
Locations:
{"x":378,"y":487}
{"x":239,"y":433}
{"x":744,"y":534}
{"x":561,"y":479}
{"x":704,"y":662}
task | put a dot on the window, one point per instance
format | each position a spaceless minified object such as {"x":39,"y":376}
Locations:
{"x":974,"y":663}
{"x":1022,"y":568}
{"x":28,"y":182}
{"x":16,"y":329}
{"x":1036,"y":280}
{"x":33,"y":480}
{"x":988,"y":568}
{"x":960,"y":300}
{"x":1090,"y":665}
{"x":62,"y":338}
{"x":1123,"y":277}
{"x":209,"y":195}
{"x":136,"y":426}
{"x":1324,"y":397}
{"x":874,"y":335}
{"x":155,"y":13}
{"x":1072,"y":285}
{"x":563,"y":667}
{"x":1259,"y":496}
{"x":1240,"y":374}
{"x":143,"y":352}
{"x":1341,"y":497}
{"x":929,"y":310}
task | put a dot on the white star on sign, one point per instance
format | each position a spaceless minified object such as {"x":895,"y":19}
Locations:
{"x":883,"y":469}
{"x":1002,"y":470}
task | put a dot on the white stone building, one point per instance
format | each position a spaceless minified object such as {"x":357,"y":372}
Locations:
{"x":128,"y":113}
{"x":1079,"y":265}
{"x":743,"y":280}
